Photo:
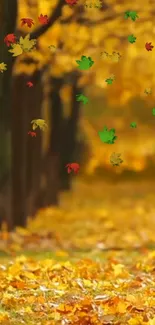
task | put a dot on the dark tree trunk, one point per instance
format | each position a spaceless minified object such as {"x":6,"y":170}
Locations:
{"x":34,"y":98}
{"x":49,"y":195}
{"x":69,"y":141}
{"x":19,"y":138}
{"x":8,"y":15}
{"x":26,"y":151}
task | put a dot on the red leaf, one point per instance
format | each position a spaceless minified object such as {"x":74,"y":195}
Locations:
{"x":72,"y":167}
{"x":9,"y":39}
{"x":149,"y":46}
{"x":43,"y":19}
{"x":27,"y":21}
{"x":71,"y":2}
{"x":29,"y":84}
{"x":33,"y":134}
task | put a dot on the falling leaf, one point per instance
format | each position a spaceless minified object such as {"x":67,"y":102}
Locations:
{"x":9,"y":39}
{"x":29,"y":84}
{"x":82,"y":98}
{"x":71,"y":2}
{"x":73,"y":167}
{"x":93,"y":4}
{"x":105,"y":55}
{"x":43,"y":19}
{"x":132,"y":38}
{"x":3,"y":67}
{"x":16,"y":49}
{"x":148,"y":91}
{"x":115,"y":159}
{"x":27,"y":21}
{"x":52,"y":48}
{"x":131,"y":14}
{"x":115,"y":57}
{"x":149,"y":46}
{"x":27,"y":44}
{"x":33,"y":134}
{"x":39,"y":123}
{"x":110,"y":80}
{"x":133,"y":124}
{"x":107,"y":136}
{"x":85,"y":63}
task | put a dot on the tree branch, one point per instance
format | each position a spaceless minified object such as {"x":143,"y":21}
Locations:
{"x":88,"y":22}
{"x":41,"y":30}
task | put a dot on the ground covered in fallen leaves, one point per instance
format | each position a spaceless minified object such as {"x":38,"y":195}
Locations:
{"x":91,"y":262}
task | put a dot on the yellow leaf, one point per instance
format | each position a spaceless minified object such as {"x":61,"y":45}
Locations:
{"x":15,"y":269}
{"x":27,"y":44}
{"x":121,"y":307}
{"x":152,"y":321}
{"x":87,"y":283}
{"x":39,"y":123}
{"x":28,"y":310}
{"x":16,"y":50}
{"x":118,"y":269}
{"x":3,"y":67}
{"x":29,"y":275}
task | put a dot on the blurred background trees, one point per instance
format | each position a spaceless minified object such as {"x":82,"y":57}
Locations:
{"x":34,"y":175}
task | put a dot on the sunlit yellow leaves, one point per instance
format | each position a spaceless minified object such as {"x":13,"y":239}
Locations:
{"x":64,"y":308}
{"x":15,"y":269}
{"x":18,"y":284}
{"x":4,"y":317}
{"x":152,"y":321}
{"x":137,"y":320}
{"x":121,"y":307}
{"x":118,"y":269}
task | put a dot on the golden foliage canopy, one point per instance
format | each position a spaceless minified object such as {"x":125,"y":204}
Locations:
{"x":98,"y":31}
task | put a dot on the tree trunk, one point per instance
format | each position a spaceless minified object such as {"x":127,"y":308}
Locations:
{"x":49,"y":195}
{"x":8,"y":15}
{"x":34,"y":98}
{"x":69,"y":141}
{"x":19,"y":138}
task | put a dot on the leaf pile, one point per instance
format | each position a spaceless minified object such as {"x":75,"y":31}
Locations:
{"x":119,"y":291}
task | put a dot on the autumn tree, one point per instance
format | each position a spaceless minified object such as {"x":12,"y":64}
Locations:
{"x":91,"y":31}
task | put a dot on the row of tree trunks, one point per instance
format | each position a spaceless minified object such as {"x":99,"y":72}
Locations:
{"x":26,"y":151}
{"x":20,"y":159}
{"x":28,"y":165}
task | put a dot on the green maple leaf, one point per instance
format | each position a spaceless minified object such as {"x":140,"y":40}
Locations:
{"x":107,"y":136}
{"x":133,"y":125}
{"x":82,"y":98}
{"x":153,"y":111}
{"x":110,"y":80}
{"x":85,"y":63}
{"x":131,"y":14}
{"x":127,"y":14}
{"x":132,"y":38}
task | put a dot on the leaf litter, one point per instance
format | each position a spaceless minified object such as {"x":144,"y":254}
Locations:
{"x":98,"y":287}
